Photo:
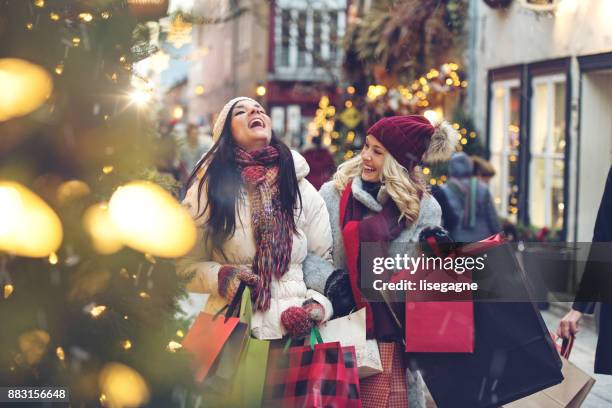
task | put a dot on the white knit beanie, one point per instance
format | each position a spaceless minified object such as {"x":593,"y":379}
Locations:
{"x":220,"y":122}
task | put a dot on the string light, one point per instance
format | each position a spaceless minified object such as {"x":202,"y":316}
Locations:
{"x":350,"y":90}
{"x":59,"y":69}
{"x":86,"y":17}
{"x":107,"y":169}
{"x":59,"y":352}
{"x":8,"y":290}
{"x":29,"y":26}
{"x":180,"y":333}
{"x":76,"y":41}
{"x":96,"y":311}
{"x":126,"y":344}
{"x":39,"y":3}
{"x":54,"y":16}
{"x":173,"y":346}
{"x":53,"y":258}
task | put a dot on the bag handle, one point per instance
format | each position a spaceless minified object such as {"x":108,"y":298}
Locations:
{"x":566,"y":347}
{"x":315,"y":338}
{"x":232,"y":307}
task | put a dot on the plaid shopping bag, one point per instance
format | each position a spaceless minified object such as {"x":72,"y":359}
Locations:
{"x":318,"y":375}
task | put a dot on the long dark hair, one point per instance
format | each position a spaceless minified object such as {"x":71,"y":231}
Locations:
{"x":223,"y":182}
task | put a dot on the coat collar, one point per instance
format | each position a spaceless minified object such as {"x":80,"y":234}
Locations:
{"x":373,"y":204}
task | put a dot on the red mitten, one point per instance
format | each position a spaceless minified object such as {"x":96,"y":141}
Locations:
{"x":229,"y":278}
{"x":315,"y":311}
{"x":297,"y":322}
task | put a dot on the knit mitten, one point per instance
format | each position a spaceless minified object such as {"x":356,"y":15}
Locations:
{"x":338,"y":291}
{"x":297,"y":322}
{"x":229,"y":278}
{"x":315,"y":311}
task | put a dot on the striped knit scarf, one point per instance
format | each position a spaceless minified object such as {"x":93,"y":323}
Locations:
{"x":271,"y":226}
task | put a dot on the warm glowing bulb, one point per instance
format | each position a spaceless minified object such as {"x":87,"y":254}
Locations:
{"x":180,"y":333}
{"x":350,"y":90}
{"x":122,"y":386}
{"x":105,"y":15}
{"x":261,"y":90}
{"x":8,"y":290}
{"x":173,"y":346}
{"x":21,"y":212}
{"x":104,"y":236}
{"x":25,"y":87}
{"x":59,"y":69}
{"x":178,"y":112}
{"x":97,"y":310}
{"x":86,"y":17}
{"x":150,"y":220}
{"x":54,"y":16}
{"x":29,"y":26}
{"x":53,"y":258}
{"x":59,"y":352}
{"x":199,"y":90}
{"x":107,"y":169}
{"x":425,"y":170}
{"x":39,"y":3}
{"x":126,"y":344}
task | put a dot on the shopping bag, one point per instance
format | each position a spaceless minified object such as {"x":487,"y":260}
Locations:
{"x":350,"y":330}
{"x":383,"y":390}
{"x":316,"y":375}
{"x":514,"y":355}
{"x":207,"y":340}
{"x":250,"y":377}
{"x":439,"y":321}
{"x":571,"y":393}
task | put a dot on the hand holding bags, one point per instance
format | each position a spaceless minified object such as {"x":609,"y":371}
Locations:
{"x":350,"y":330}
{"x":318,"y":375}
{"x":513,"y":352}
{"x":571,"y":393}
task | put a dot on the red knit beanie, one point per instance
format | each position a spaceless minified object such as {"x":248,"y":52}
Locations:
{"x":412,"y":139}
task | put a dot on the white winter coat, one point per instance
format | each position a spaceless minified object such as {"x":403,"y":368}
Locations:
{"x":313,"y":235}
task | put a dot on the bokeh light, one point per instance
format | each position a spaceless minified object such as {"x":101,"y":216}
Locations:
{"x":150,"y":220}
{"x":25,"y":86}
{"x":21,"y":214}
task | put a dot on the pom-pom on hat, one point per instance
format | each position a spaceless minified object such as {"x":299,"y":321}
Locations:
{"x":412,"y":139}
{"x":222,"y":117}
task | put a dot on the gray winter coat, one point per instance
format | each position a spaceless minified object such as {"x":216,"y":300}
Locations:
{"x":460,"y":170}
{"x":317,"y":270}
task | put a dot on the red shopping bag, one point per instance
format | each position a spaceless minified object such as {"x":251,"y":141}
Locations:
{"x":318,"y":375}
{"x":439,"y":321}
{"x":209,"y":334}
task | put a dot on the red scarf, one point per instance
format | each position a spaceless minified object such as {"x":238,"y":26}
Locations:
{"x":271,"y":225}
{"x":378,"y":231}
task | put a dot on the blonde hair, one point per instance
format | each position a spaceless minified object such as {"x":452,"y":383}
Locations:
{"x":404,"y":187}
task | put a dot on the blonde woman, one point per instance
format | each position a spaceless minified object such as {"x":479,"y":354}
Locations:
{"x":380,"y":197}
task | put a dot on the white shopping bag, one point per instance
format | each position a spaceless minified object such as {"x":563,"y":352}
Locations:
{"x":351,"y":331}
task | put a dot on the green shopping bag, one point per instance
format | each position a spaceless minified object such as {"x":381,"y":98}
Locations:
{"x":251,"y":374}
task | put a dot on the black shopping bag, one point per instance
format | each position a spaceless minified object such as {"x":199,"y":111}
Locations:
{"x":514,"y":355}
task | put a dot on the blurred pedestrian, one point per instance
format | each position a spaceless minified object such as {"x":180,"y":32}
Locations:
{"x":321,"y":162}
{"x":596,"y":285}
{"x":483,"y":169}
{"x":471,"y":202}
{"x":191,"y":150}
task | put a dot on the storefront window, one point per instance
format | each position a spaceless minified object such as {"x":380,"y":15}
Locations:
{"x":547,"y":166}
{"x":505,"y":142}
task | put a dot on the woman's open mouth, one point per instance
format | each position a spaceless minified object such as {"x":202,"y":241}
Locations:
{"x":368,"y":169}
{"x":256,"y":123}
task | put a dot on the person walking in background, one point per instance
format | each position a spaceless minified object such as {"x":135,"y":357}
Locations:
{"x":191,"y":150}
{"x":257,"y":218}
{"x":470,"y":201}
{"x":483,"y":169}
{"x":321,"y":162}
{"x":596,"y":285}
{"x":383,"y":191}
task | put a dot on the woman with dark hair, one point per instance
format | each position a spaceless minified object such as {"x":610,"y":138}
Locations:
{"x":258,"y":216}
